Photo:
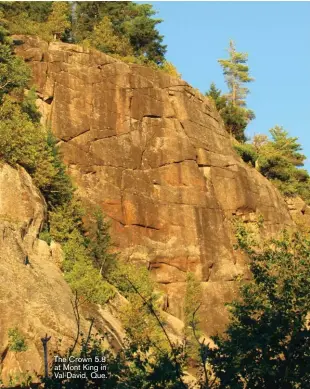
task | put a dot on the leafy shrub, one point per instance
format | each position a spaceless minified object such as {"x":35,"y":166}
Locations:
{"x":14,"y":73}
{"x":267,"y":342}
{"x":246,"y":152}
{"x":170,"y":69}
{"x":46,"y":236}
{"x":20,"y":141}
{"x":17,"y":342}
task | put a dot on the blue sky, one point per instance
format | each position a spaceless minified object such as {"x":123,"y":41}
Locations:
{"x":276,"y":36}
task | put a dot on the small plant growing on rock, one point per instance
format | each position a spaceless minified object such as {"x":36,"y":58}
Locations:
{"x":17,"y":341}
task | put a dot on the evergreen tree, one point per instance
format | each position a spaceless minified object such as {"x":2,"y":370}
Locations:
{"x":215,"y":94}
{"x":130,"y":22}
{"x":29,"y":106}
{"x":14,"y":73}
{"x":103,"y":38}
{"x":192,"y":331}
{"x":37,"y":11}
{"x":232,"y":106}
{"x":279,"y":159}
{"x":123,"y":28}
{"x":267,"y":344}
{"x":235,"y":117}
{"x":287,"y":146}
{"x":100,"y":243}
{"x":59,"y":19}
{"x":236,"y":74}
{"x":59,"y":189}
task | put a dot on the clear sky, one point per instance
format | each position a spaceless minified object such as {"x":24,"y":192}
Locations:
{"x":276,"y":36}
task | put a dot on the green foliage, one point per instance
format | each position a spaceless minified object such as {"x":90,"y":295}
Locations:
{"x":279,"y":159}
{"x":170,"y":69}
{"x":215,"y":94}
{"x":126,"y":275}
{"x":139,"y":316}
{"x":235,"y":117}
{"x":46,"y":236}
{"x":192,"y":319}
{"x":267,"y":342}
{"x":236,"y":73}
{"x":14,"y":73}
{"x":81,"y":262}
{"x":48,"y":20}
{"x":20,"y":141}
{"x":66,"y":219}
{"x":36,"y":11}
{"x":58,"y":20}
{"x":17,"y":342}
{"x":100,"y":243}
{"x":24,"y":380}
{"x":28,"y":106}
{"x":132,"y":367}
{"x":247,"y":152}
{"x":131,"y":22}
{"x":59,"y":189}
{"x":23,"y":141}
{"x":104,"y":38}
{"x":120,"y":28}
{"x":82,"y":276}
{"x":232,"y":106}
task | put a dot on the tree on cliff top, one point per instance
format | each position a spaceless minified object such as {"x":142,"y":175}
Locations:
{"x":235,"y":118}
{"x":232,"y":106}
{"x":279,"y":159}
{"x":129,"y":20}
{"x":236,"y":74}
{"x":103,"y":38}
{"x":58,"y":21}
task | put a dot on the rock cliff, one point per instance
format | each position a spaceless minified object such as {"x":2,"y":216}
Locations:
{"x":34,"y":297}
{"x":33,"y":294}
{"x":153,"y":154}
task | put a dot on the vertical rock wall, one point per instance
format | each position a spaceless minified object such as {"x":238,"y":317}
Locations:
{"x":152,"y":153}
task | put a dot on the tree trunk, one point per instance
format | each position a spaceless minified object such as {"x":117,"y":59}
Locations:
{"x":44,"y":342}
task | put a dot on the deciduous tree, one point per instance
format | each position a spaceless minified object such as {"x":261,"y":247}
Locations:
{"x":267,"y":342}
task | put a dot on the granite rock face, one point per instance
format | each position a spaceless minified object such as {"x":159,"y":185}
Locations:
{"x":153,"y":154}
{"x":300,"y":212}
{"x":33,"y":294}
{"x":34,"y":297}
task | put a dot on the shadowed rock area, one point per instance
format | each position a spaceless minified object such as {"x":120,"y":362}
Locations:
{"x":152,"y":152}
{"x":33,"y":294}
{"x":34,"y":297}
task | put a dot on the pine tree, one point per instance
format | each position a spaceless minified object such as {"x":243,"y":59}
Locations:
{"x":216,"y":95}
{"x":104,"y":39}
{"x":233,"y":111}
{"x":235,"y":117}
{"x":100,"y":242}
{"x":237,"y":74}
